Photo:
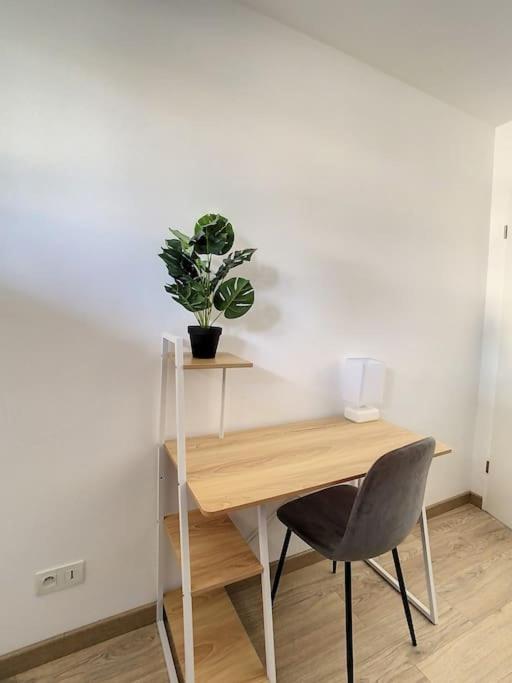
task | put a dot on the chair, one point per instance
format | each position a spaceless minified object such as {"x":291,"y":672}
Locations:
{"x":346,"y":524}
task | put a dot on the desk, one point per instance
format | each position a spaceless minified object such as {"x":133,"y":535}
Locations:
{"x":253,"y":467}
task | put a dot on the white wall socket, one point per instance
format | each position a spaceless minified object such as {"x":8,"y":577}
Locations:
{"x":59,"y":578}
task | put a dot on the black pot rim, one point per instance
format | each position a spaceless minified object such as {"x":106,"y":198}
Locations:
{"x":199,"y":328}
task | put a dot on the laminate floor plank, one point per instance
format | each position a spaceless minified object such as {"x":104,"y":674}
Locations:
{"x":484,"y":653}
{"x":134,"y":657}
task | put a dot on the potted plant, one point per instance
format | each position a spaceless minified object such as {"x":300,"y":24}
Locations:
{"x":200,"y":283}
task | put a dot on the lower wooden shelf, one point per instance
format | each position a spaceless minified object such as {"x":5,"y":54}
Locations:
{"x":223,"y":652}
{"x":218,"y":553}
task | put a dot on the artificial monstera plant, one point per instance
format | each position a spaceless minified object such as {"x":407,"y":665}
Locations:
{"x":200,"y":274}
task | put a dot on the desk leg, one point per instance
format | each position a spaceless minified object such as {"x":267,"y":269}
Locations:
{"x":431,"y":611}
{"x":162,"y":548}
{"x":222,"y":404}
{"x":429,"y":573}
{"x":266,"y":595}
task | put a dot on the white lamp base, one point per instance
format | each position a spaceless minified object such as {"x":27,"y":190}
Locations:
{"x":364,"y":414}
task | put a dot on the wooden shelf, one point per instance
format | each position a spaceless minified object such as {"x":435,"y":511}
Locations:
{"x":219,"y":556}
{"x":223,"y":652}
{"x":222,"y":360}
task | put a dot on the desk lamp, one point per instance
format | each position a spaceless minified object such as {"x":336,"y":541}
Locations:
{"x":363,"y":388}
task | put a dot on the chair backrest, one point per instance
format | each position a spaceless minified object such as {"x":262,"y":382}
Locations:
{"x":389,"y":502}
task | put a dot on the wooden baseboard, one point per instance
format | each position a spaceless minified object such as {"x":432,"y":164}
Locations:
{"x":47,"y":650}
{"x":476,"y":500}
{"x":449,"y":504}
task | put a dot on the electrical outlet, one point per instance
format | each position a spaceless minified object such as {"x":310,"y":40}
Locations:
{"x":46,"y":582}
{"x":59,"y":578}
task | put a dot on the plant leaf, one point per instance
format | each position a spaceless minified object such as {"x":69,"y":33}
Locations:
{"x":234,"y":297}
{"x":213,"y":234}
{"x":190,"y":295}
{"x":184,"y":239}
{"x":180,"y":265}
{"x":232,"y":261}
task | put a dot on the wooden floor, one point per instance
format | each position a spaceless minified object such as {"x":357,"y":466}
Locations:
{"x":472,"y":555}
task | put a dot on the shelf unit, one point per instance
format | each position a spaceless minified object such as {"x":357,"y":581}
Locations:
{"x":209,"y":641}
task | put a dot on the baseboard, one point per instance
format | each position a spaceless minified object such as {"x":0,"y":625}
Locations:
{"x":476,"y":500}
{"x":450,"y":504}
{"x":28,"y":657}
{"x":45,"y":651}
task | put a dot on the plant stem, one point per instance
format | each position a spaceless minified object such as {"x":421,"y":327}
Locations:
{"x":209,"y":288}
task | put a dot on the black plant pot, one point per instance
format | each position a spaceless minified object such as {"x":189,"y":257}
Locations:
{"x":204,"y":340}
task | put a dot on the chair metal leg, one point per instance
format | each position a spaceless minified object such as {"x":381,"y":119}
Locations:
{"x":403,"y":592}
{"x":348,"y":622}
{"x":279,"y":571}
{"x":334,"y":565}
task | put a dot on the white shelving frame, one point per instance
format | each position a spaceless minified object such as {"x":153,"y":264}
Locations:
{"x":169,"y":342}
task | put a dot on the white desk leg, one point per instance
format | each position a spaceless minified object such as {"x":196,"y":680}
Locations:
{"x":429,"y":573}
{"x":431,"y":611}
{"x":166,"y":649}
{"x":222,"y":404}
{"x":266,"y":595}
{"x":162,"y":545}
{"x":188,"y":628}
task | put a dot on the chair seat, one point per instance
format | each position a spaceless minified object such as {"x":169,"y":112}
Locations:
{"x":320,"y":519}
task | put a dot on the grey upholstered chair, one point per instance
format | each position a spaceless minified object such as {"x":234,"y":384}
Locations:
{"x":345,"y":523}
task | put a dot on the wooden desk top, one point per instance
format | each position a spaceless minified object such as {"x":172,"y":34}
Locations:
{"x":255,"y":466}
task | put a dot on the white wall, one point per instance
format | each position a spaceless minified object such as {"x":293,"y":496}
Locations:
{"x":501,"y":215}
{"x":368,"y":202}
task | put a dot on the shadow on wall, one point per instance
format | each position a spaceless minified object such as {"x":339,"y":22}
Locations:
{"x":265,"y":313}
